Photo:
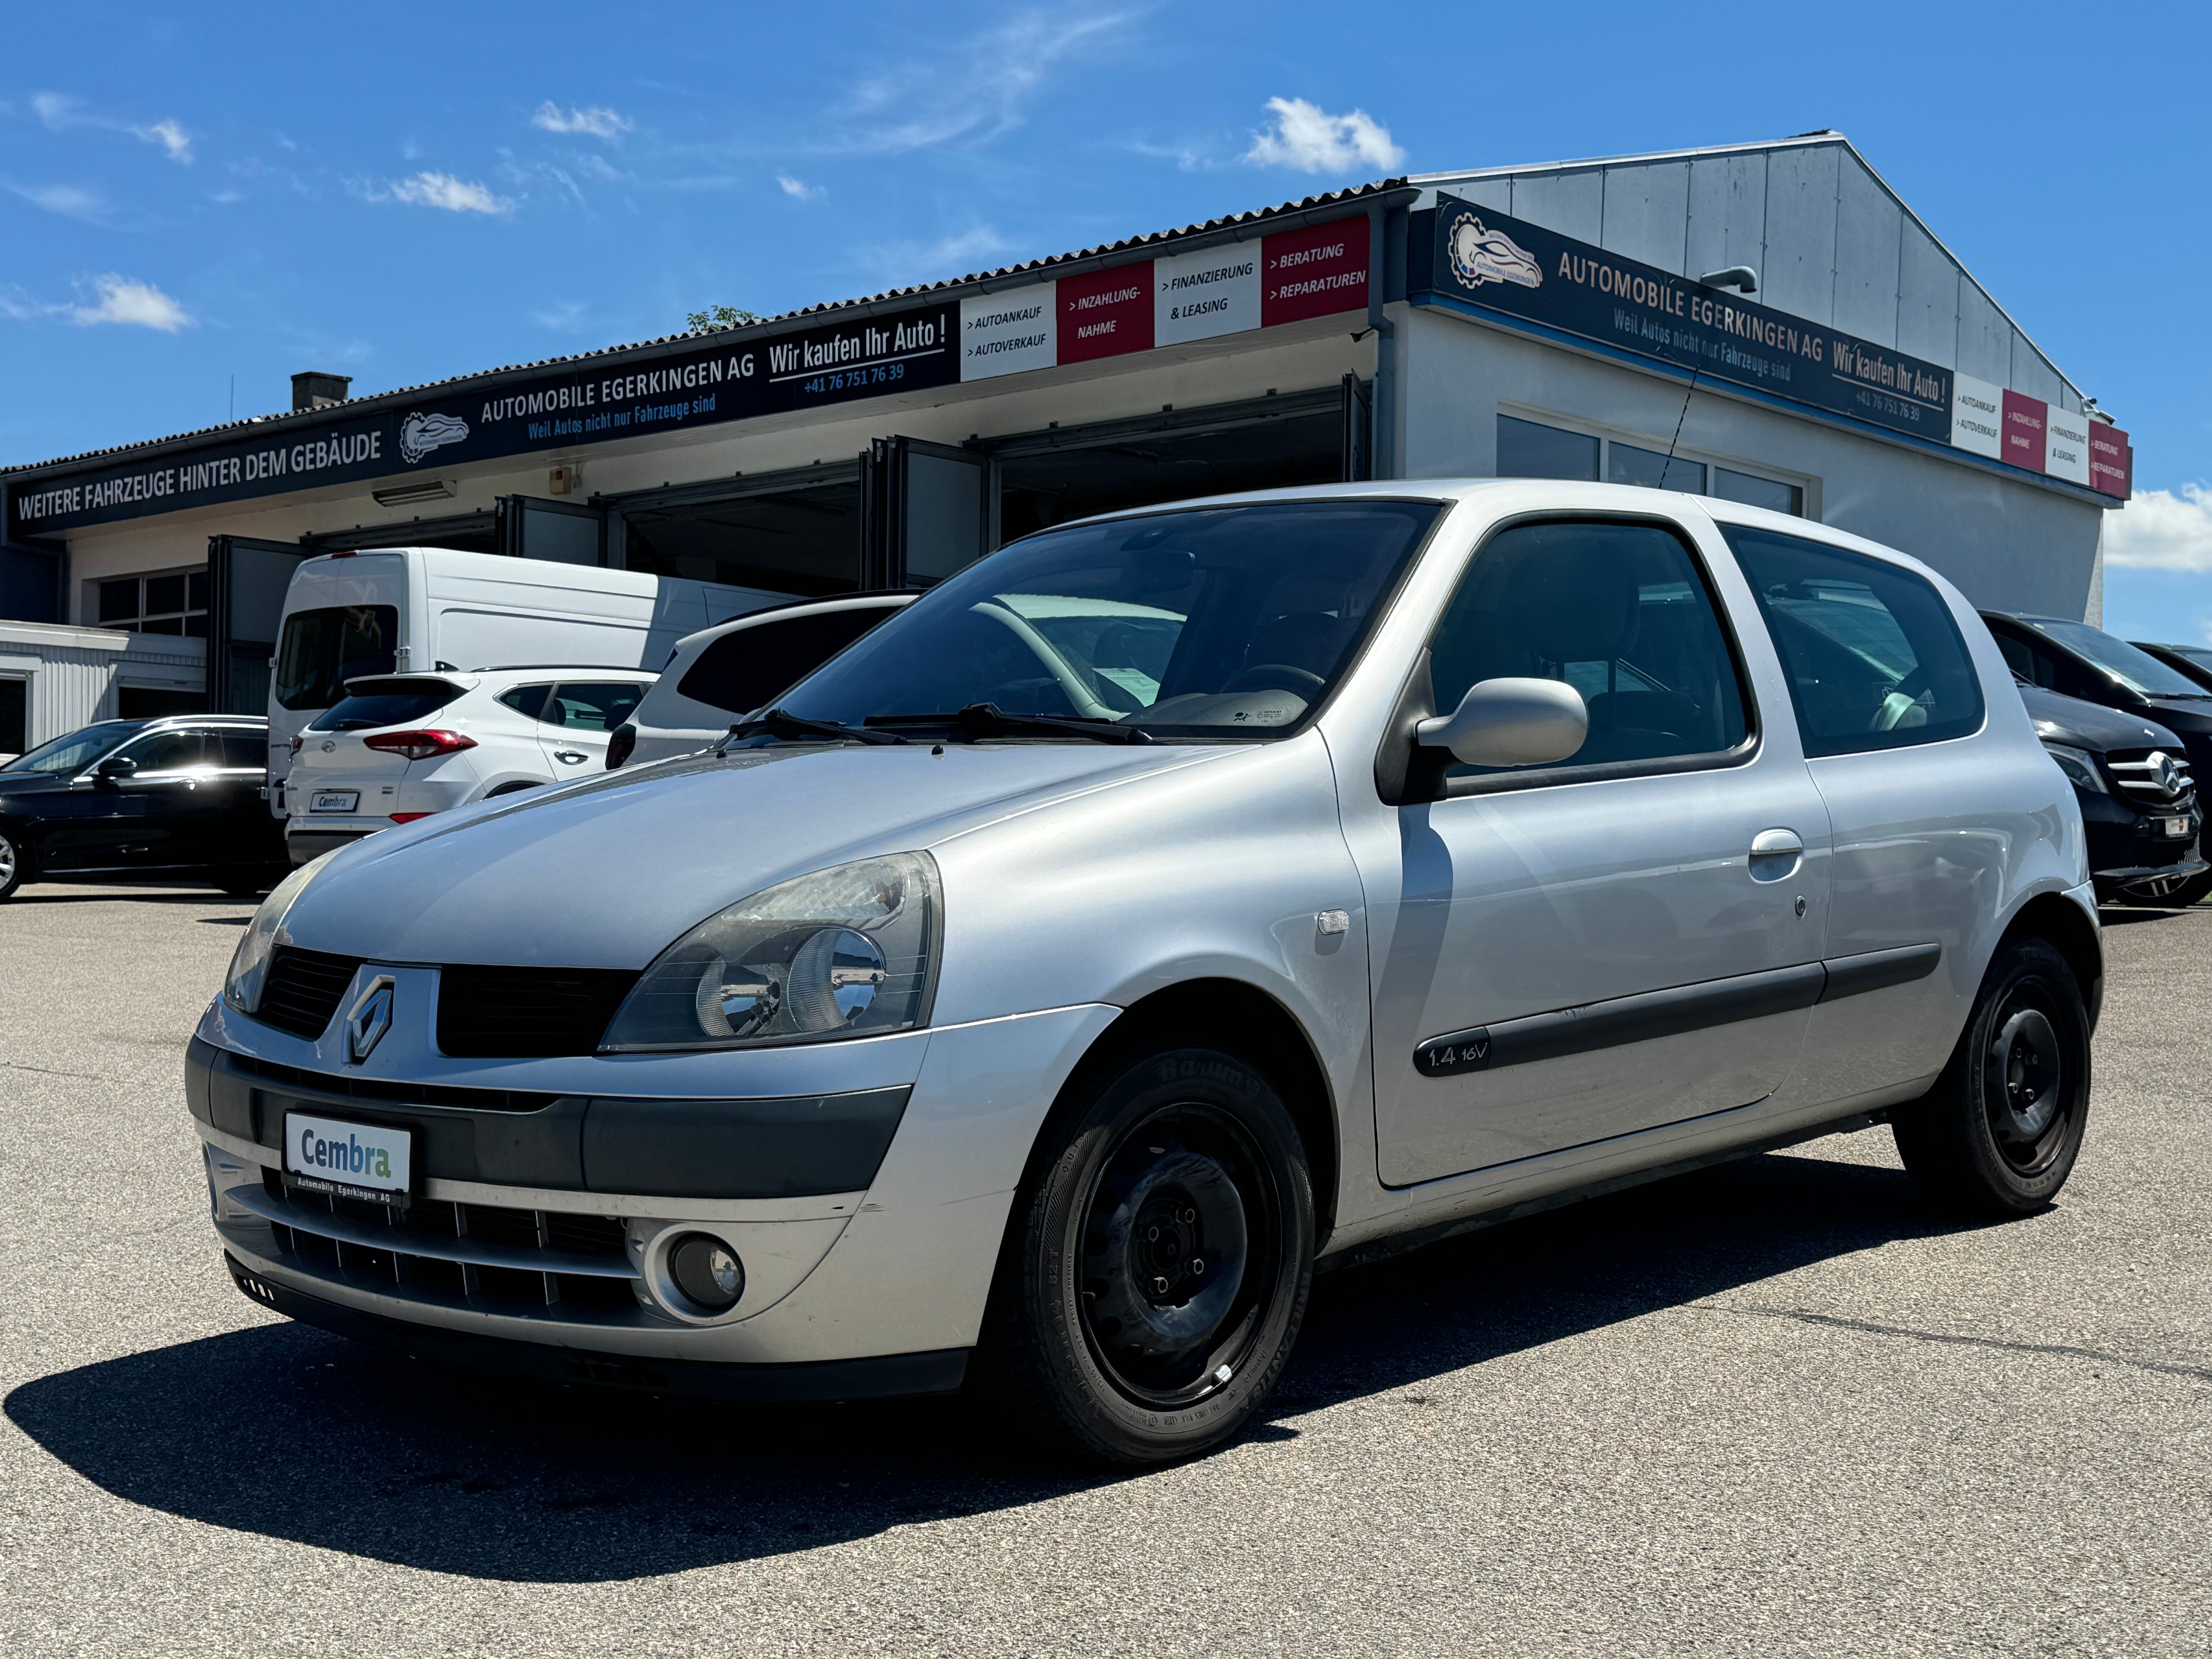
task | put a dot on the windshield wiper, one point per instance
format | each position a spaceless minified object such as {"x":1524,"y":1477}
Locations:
{"x":777,"y":723}
{"x":987,"y":719}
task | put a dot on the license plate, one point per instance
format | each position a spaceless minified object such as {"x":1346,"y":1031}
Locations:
{"x":370,"y":1161}
{"x":334,"y":800}
{"x":2173,"y":826}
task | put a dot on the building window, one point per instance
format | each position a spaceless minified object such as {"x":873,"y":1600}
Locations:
{"x":15,"y":717}
{"x":1528,"y":449}
{"x":151,"y":702}
{"x":175,"y":601}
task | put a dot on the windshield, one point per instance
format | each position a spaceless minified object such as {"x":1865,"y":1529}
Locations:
{"x":387,"y":702}
{"x":1205,"y":622}
{"x":2140,"y":673}
{"x":321,"y":650}
{"x":75,"y":752}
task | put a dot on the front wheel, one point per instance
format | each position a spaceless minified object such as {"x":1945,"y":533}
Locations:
{"x":1998,"y":1134}
{"x":13,"y":865}
{"x":1157,"y":1266}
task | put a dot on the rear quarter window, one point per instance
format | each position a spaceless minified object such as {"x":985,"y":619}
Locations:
{"x":740,"y":672}
{"x":1872,"y":655}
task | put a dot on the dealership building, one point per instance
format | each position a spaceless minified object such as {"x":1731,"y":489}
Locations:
{"x":1769,"y":322}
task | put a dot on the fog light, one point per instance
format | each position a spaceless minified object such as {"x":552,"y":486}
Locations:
{"x":708,"y":1272}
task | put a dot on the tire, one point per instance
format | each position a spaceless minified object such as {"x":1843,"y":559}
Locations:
{"x":1998,"y":1134}
{"x":14,"y":864}
{"x":249,"y":884}
{"x":1172,"y":1207}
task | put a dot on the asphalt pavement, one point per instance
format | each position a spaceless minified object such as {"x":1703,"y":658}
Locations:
{"x":1769,"y":1409}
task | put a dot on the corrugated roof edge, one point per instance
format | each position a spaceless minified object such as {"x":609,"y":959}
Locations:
{"x":1795,"y":141}
{"x":828,"y":308}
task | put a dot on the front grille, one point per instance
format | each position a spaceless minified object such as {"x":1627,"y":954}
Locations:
{"x":537,"y":1263}
{"x":402,"y":1094}
{"x":303,"y":990}
{"x":2136,"y":771}
{"x":496,"y":1013}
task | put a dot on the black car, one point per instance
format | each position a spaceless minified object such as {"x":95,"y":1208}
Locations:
{"x":2138,"y":798}
{"x":2194,"y":661}
{"x":2077,"y":661}
{"x":180,"y":793}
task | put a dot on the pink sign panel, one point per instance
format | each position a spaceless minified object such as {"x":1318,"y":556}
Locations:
{"x":1314,"y":273}
{"x":2110,"y":460}
{"x":2024,"y":419}
{"x":1106,"y":313}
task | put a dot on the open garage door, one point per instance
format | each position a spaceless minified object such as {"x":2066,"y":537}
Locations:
{"x":925,"y":511}
{"x":246,"y":580}
{"x":795,"y":531}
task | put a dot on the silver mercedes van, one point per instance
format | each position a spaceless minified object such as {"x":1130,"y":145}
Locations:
{"x":1166,"y":904}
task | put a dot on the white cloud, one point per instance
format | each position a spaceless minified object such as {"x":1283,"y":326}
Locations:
{"x":56,"y":110}
{"x":975,"y":89}
{"x":2162,"y":530}
{"x":598,"y":120}
{"x":793,"y":187}
{"x":67,"y":200}
{"x":902,"y":263}
{"x":170,"y":136}
{"x":442,"y":189}
{"x":1308,"y":137}
{"x":140,"y":304}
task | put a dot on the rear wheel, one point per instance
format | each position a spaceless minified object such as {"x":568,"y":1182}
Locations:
{"x":13,"y":865}
{"x":1999,"y":1132}
{"x":1157,"y":1266}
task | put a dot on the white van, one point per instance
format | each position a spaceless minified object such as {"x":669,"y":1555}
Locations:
{"x":405,"y":610}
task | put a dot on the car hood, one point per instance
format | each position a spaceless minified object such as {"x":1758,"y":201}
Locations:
{"x":2091,"y":725}
{"x":2188,"y":717}
{"x":608,"y":872}
{"x":34,"y":783}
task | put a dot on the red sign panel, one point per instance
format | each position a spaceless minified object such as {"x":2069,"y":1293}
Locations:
{"x":1314,"y":273}
{"x":1106,"y":313}
{"x":2024,"y":431}
{"x":2110,"y":460}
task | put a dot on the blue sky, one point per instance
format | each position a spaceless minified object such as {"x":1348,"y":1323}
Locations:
{"x":193,"y":196}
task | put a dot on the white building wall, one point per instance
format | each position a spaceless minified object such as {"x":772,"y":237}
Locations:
{"x":75,"y":673}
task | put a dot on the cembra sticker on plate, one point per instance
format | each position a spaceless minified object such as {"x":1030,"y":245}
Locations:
{"x":350,"y":1160}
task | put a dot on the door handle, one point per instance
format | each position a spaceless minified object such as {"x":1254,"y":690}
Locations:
{"x":572,"y":756}
{"x":1774,"y":854}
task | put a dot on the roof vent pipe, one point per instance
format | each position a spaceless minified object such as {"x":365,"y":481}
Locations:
{"x":1736,"y":276}
{"x":315,"y":390}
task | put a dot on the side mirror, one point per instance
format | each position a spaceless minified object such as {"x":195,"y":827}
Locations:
{"x":116,"y":767}
{"x":1511,"y":722}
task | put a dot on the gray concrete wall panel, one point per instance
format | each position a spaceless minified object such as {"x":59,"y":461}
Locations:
{"x":1727,"y":213}
{"x":1572,"y":204}
{"x":1984,"y":337}
{"x":1800,"y":276}
{"x":1927,"y":297}
{"x":2031,"y":372}
{"x":1869,"y":225}
{"x":1647,"y":211}
{"x":2007,"y":544}
{"x":1495,"y":194}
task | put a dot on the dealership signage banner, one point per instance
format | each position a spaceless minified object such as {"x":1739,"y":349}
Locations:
{"x":1316,"y":271}
{"x":1481,"y":257}
{"x":716,"y":382}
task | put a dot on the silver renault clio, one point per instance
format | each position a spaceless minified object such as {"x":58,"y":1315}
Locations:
{"x":1163,"y":905}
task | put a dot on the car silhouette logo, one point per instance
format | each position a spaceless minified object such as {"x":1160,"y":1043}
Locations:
{"x":328,"y":747}
{"x":370,"y":1018}
{"x":1480,"y":254}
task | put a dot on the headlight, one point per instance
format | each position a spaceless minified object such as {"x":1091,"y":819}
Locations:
{"x":249,"y":964}
{"x":849,"y":952}
{"x":2080,"y":767}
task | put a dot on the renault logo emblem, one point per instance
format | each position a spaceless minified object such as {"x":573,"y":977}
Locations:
{"x":370,"y":1020}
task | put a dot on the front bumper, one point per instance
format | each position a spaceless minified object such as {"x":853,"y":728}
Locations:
{"x":534,"y":1244}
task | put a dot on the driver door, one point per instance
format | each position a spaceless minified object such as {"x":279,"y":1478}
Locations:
{"x":1562,"y":955}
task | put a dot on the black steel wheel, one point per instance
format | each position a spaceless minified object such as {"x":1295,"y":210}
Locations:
{"x":1999,"y":1133}
{"x":1157,"y":1266}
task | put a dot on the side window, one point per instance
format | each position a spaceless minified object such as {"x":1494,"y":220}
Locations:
{"x":1620,"y":612}
{"x":240,"y":751}
{"x":593,"y":707}
{"x":527,"y":701}
{"x":169,"y":751}
{"x":1875,"y":660}
{"x":2036,"y":667}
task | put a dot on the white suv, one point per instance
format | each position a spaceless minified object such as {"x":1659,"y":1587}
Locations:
{"x":398,"y":747}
